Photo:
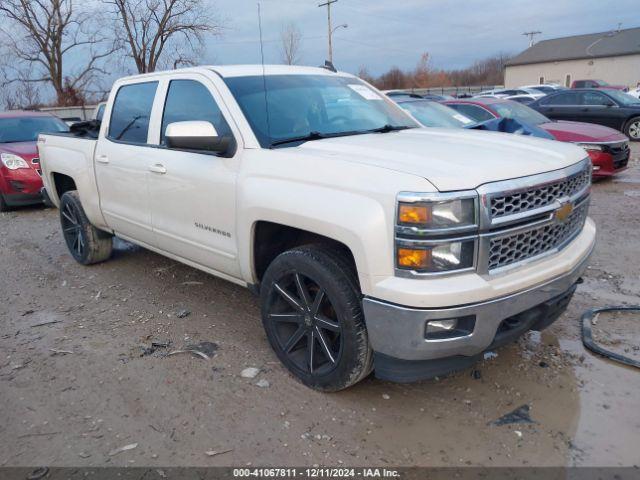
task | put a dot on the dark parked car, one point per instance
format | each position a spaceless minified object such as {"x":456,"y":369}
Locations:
{"x":427,"y":96}
{"x":607,"y":148}
{"x":610,"y":108}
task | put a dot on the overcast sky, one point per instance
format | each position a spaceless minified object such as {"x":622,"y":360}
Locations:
{"x":384,"y":33}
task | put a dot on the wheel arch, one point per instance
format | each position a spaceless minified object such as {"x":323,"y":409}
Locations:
{"x":270,"y":239}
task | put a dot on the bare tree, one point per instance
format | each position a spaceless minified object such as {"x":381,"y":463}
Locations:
{"x":163,"y":33}
{"x":291,"y":42}
{"x":40,"y":35}
{"x":21,"y":95}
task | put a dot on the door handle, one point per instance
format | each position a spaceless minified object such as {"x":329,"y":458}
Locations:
{"x":157,"y":168}
{"x":102,"y":159}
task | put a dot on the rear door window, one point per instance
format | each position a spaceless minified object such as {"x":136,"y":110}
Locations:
{"x":131,"y":113}
{"x":190,"y":100}
{"x":565,"y":98}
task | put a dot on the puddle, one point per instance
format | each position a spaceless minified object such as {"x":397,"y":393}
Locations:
{"x":608,"y":426}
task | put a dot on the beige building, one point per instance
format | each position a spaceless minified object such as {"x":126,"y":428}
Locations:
{"x":610,"y":56}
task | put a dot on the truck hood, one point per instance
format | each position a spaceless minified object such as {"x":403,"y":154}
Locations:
{"x":451,"y":159}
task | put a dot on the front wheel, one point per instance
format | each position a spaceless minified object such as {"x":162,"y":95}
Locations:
{"x":632,"y":129}
{"x":86,"y":243}
{"x":312,"y":314}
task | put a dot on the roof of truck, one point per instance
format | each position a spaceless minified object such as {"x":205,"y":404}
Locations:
{"x":253,"y":70}
{"x":228,"y":71}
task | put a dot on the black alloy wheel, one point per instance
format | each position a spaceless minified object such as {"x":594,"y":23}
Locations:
{"x":312,"y":314}
{"x":305,"y":324}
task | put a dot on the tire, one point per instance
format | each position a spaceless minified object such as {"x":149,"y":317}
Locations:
{"x":310,"y":296}
{"x":3,"y":204}
{"x":85,"y":242}
{"x":632,"y":129}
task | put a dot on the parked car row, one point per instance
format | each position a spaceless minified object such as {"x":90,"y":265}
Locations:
{"x":599,"y":120}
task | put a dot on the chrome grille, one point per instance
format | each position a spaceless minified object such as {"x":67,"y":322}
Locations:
{"x":539,"y":196}
{"x":522,"y":245}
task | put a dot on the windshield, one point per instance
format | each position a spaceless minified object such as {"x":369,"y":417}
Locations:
{"x":312,"y":106}
{"x":519,"y":112}
{"x":432,"y":114}
{"x":27,"y":129}
{"x":623,"y":98}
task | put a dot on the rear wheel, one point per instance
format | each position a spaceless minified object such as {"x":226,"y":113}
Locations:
{"x":312,"y":314}
{"x":86,"y":243}
{"x":632,"y":129}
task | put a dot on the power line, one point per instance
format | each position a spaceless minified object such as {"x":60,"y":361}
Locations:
{"x":531,"y":35}
{"x":328,"y":4}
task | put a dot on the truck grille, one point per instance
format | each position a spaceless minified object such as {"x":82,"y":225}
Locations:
{"x":517,"y":247}
{"x":539,"y":196}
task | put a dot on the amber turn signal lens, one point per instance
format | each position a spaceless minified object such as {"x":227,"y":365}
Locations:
{"x":414,"y":214}
{"x":410,"y":258}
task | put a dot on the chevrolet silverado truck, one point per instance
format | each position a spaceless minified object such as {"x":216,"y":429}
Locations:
{"x":374,"y":244}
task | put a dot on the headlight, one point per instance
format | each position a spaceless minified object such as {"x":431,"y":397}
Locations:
{"x":437,"y":212}
{"x":589,"y":146}
{"x":13,"y":162}
{"x":436,"y":258}
{"x":436,"y":232}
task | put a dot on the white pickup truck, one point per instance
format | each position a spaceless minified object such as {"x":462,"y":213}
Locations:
{"x":373,"y":244}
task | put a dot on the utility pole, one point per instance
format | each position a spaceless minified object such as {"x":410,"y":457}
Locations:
{"x":328,"y":4}
{"x":531,"y":35}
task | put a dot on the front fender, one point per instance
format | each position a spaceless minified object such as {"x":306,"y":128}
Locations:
{"x":358,"y":221}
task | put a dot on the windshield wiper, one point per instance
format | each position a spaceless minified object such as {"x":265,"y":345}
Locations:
{"x":319,"y":136}
{"x":303,"y":138}
{"x":387,"y":128}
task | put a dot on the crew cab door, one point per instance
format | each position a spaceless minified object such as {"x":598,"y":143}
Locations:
{"x":193,"y":193}
{"x":121,"y":162}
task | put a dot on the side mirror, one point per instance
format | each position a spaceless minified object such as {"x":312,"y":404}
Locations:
{"x":196,"y":135}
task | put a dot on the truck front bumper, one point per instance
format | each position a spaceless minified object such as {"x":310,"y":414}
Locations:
{"x":404,"y":353}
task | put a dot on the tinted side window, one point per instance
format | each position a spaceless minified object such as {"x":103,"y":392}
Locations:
{"x":189,"y":100}
{"x":474,"y":112}
{"x":579,"y":84}
{"x":594,"y":98}
{"x":565,"y":98}
{"x":131,"y":112}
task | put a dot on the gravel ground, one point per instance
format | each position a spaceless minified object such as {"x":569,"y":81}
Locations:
{"x":78,"y":379}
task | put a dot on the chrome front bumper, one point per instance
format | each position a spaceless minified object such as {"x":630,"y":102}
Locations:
{"x":400,"y":332}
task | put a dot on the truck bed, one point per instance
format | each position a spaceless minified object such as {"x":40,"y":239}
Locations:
{"x":69,"y":154}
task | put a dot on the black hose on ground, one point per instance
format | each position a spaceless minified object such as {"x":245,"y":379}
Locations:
{"x":589,"y":343}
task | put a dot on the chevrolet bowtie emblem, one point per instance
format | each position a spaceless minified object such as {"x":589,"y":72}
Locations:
{"x":563,"y":212}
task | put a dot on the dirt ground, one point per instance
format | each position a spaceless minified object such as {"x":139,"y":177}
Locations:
{"x":75,"y":409}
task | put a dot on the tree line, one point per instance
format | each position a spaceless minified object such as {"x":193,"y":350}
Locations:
{"x":489,"y":71}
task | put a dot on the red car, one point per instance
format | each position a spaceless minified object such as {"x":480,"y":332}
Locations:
{"x":608,"y":148}
{"x":597,"y":84}
{"x":20,"y":181}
